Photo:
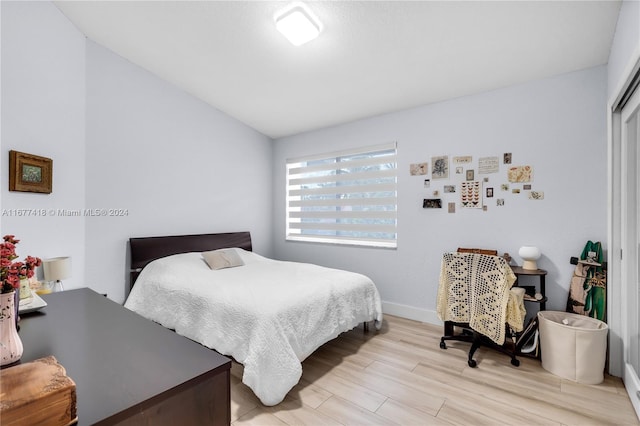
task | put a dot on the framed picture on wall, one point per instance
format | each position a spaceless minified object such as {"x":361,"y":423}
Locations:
{"x":470,"y":174}
{"x":432,"y":203}
{"x":30,"y":173}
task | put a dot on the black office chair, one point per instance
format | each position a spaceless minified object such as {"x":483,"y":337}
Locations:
{"x":473,"y":296}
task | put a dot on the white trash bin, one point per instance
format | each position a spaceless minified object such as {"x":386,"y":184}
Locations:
{"x":573,"y":346}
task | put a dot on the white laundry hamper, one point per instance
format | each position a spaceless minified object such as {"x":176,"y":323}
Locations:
{"x":573,"y":346}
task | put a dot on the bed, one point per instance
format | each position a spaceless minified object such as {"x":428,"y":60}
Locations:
{"x":268,"y":315}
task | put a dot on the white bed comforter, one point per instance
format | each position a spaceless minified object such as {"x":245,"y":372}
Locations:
{"x":268,"y":315}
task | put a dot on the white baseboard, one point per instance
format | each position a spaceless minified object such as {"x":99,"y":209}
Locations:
{"x":411,"y":312}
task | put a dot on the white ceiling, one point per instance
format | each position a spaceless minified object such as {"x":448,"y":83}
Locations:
{"x":371,"y":57}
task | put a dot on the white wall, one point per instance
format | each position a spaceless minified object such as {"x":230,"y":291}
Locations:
{"x":179,"y":166}
{"x":625,"y":48}
{"x":173,"y":163}
{"x":43,"y":113}
{"x":556,"y":125}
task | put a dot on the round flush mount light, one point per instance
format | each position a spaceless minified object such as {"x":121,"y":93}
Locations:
{"x":297,"y":24}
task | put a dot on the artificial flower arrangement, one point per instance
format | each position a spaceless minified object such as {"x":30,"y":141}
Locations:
{"x":12,"y":272}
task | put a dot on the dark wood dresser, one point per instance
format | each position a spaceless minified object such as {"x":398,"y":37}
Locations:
{"x":127,"y":370}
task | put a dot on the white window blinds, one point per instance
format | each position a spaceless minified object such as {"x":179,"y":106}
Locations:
{"x":346,"y":197}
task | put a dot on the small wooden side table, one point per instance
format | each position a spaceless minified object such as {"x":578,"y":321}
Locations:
{"x":541,"y":274}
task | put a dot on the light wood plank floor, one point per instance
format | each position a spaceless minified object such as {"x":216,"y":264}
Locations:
{"x":400,"y":376}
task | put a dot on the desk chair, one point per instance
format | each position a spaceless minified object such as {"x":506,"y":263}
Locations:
{"x":475,"y":295}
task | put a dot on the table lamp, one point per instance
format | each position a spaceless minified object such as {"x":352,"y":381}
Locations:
{"x":57,"y":269}
{"x":529,"y":254}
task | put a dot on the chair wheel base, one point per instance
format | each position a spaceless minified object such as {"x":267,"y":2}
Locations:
{"x":515,"y":362}
{"x":472,"y":363}
{"x":443,"y":345}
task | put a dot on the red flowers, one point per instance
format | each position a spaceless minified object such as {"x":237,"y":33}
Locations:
{"x":12,"y":272}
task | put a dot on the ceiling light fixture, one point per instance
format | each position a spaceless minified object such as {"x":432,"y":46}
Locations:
{"x":297,"y":24}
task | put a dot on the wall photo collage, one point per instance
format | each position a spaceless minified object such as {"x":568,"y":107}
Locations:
{"x":472,"y":185}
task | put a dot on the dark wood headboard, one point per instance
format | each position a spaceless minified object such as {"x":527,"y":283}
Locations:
{"x":147,"y":249}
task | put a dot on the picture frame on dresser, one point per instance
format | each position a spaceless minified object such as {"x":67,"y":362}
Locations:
{"x":30,"y":173}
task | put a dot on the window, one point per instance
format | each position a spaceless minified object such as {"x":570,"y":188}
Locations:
{"x":347,"y":197}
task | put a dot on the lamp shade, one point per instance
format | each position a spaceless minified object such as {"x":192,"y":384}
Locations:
{"x":529,"y":254}
{"x":57,"y":268}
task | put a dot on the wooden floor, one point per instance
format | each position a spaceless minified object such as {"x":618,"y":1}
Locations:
{"x":400,"y":376}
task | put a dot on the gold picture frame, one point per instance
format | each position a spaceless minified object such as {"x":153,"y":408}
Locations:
{"x":30,"y":173}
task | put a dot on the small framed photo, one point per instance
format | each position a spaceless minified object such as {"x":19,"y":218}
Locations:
{"x":30,"y":173}
{"x":418,"y":169}
{"x":526,"y":187}
{"x":448,"y":189}
{"x":536,"y":195}
{"x":432,"y":203}
{"x":500,"y":202}
{"x":440,"y":167}
{"x":506,"y":158}
{"x":459,"y":170}
{"x":470,"y":174}
{"x":489,"y":192}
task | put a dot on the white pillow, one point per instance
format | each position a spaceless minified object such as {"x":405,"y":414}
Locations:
{"x":223,"y":258}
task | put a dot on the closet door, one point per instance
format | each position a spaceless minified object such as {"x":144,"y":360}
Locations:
{"x":630,"y":116}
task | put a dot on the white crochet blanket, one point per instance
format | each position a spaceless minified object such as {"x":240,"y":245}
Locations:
{"x":268,"y":315}
{"x":475,"y":289}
